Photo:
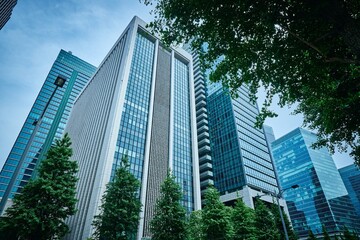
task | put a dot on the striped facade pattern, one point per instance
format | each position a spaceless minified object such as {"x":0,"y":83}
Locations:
{"x":159,"y":155}
{"x":6,"y":8}
{"x":33,"y":141}
{"x":99,"y":140}
{"x":92,"y":124}
{"x":200,"y":86}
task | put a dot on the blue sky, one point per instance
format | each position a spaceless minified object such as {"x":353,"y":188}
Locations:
{"x":34,"y":35}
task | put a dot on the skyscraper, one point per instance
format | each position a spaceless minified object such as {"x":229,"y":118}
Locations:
{"x":269,"y":133}
{"x":351,"y":177}
{"x":77,"y":72}
{"x":6,"y":8}
{"x":233,"y":154}
{"x":242,"y":162}
{"x":141,"y":103}
{"x":322,"y":198}
{"x":202,"y":121}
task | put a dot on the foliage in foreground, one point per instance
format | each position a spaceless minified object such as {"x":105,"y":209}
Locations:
{"x":119,"y":213}
{"x":169,"y":220}
{"x":243,"y":219}
{"x":39,"y":212}
{"x":306,"y":52}
{"x":216,"y":217}
{"x":278,"y":222}
{"x":195,"y":226}
{"x":264,"y":223}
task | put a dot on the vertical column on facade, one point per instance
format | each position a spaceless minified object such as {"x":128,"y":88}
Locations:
{"x":159,"y":140}
{"x":147,"y":147}
{"x":205,"y":161}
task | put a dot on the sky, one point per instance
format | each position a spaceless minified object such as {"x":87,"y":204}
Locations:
{"x":34,"y":35}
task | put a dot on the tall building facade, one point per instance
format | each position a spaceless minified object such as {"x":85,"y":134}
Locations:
{"x":202,"y":120}
{"x":242,"y":163}
{"x":269,"y":133}
{"x":14,"y":176}
{"x":351,"y":178}
{"x":140,"y":102}
{"x":322,"y":198}
{"x":6,"y":8}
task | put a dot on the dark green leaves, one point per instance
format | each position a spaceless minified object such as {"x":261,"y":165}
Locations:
{"x":169,"y":220}
{"x":120,"y":209}
{"x":306,"y":52}
{"x":39,"y":212}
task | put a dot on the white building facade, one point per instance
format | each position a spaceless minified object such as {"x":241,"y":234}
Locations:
{"x":140,"y":102}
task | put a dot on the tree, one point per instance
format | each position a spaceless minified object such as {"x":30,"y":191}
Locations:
{"x":265,"y":223}
{"x":276,"y":214}
{"x":195,"y":226}
{"x":243,"y":219}
{"x":39,"y":212}
{"x":325,"y":233}
{"x":347,"y":235}
{"x":306,"y":52}
{"x":311,"y":236}
{"x":120,"y":209}
{"x":169,"y":220}
{"x":216,"y":217}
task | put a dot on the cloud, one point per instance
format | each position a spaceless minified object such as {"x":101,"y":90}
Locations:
{"x":32,"y":39}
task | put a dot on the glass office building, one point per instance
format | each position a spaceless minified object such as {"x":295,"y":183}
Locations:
{"x":77,"y":73}
{"x":234,"y":156}
{"x":240,"y":153}
{"x":351,"y":177}
{"x":322,"y":198}
{"x":6,"y":8}
{"x":141,"y":103}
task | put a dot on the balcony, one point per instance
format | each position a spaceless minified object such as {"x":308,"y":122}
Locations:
{"x":204,"y":142}
{"x":206,"y":175}
{"x":206,"y":183}
{"x":203,"y":135}
{"x":204,"y":149}
{"x":202,"y":122}
{"x":205,"y":167}
{"x":204,"y":159}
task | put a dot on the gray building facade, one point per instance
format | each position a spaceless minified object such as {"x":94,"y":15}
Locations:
{"x":141,"y":103}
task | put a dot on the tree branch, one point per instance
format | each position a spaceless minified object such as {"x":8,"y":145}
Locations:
{"x":309,"y":44}
{"x":304,"y":41}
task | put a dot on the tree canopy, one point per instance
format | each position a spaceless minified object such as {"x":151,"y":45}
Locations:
{"x":169,"y":220}
{"x":120,"y":210}
{"x":311,"y":236}
{"x":265,"y":224}
{"x":243,"y":219}
{"x":306,"y":52}
{"x":40,"y":210}
{"x":217,"y":224}
{"x":195,"y":226}
{"x":278,"y":222}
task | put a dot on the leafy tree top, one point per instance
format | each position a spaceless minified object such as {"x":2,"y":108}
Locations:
{"x":39,"y":212}
{"x":120,"y":210}
{"x":195,"y":226}
{"x":311,"y":236}
{"x":243,"y":219}
{"x":265,"y":223}
{"x":276,"y":214}
{"x":216,"y":217}
{"x":325,"y":233}
{"x":169,"y":220}
{"x":306,"y":52}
